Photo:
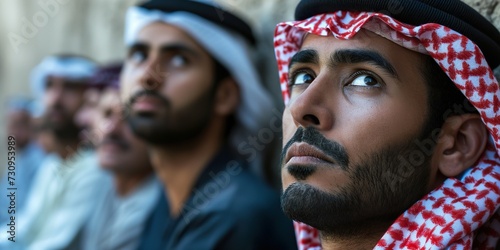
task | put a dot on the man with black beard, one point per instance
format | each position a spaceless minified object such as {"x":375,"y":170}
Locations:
{"x":60,"y":200}
{"x":192,"y":94}
{"x":391,"y":125}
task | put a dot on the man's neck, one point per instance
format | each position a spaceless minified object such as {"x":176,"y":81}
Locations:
{"x":179,"y":167}
{"x":127,"y":183}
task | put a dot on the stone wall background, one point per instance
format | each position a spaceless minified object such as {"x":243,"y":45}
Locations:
{"x":94,"y":28}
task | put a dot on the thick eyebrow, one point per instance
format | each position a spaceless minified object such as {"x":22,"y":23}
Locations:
{"x":179,"y":47}
{"x":304,"y":56}
{"x":138,"y":46}
{"x":165,"y":48}
{"x":350,"y":56}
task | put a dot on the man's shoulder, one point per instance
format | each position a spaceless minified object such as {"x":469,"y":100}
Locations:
{"x":237,"y":210}
{"x":236,"y":192}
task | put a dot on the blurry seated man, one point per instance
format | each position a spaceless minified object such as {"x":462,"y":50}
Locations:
{"x":28,"y":154}
{"x":63,"y":191}
{"x":128,"y":196}
{"x":106,"y":76}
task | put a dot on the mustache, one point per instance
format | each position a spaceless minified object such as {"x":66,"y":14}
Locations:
{"x":147,"y":92}
{"x":313,"y":137}
{"x":115,"y":140}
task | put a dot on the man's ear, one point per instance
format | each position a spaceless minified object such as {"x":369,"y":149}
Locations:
{"x":227,"y":97}
{"x":461,"y":142}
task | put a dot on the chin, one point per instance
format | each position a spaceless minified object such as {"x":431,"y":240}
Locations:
{"x":323,"y":178}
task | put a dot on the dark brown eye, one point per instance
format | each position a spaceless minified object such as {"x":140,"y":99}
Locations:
{"x":137,"y":56}
{"x":365,"y":80}
{"x":302,"y":78}
{"x":178,"y":61}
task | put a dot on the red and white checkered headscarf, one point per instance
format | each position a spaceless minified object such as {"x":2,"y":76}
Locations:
{"x":462,"y":213}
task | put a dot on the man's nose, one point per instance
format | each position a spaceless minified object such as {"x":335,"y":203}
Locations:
{"x":311,"y":107}
{"x":54,"y":96}
{"x":153,"y":75}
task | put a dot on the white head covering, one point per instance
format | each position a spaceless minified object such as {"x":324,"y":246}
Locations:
{"x":20,"y":103}
{"x":70,"y":67}
{"x":228,"y":48}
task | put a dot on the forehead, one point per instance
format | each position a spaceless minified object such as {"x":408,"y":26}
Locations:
{"x":364,"y":40}
{"x":63,"y":81}
{"x":159,"y":34}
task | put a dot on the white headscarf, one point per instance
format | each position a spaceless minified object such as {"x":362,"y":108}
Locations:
{"x":73,"y":67}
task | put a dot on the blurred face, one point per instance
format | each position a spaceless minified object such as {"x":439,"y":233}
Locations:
{"x":356,"y":109}
{"x":119,"y":151}
{"x":168,"y":85}
{"x":19,"y":125}
{"x":62,"y":99}
{"x":86,"y":114}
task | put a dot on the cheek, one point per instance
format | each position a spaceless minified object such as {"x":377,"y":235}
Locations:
{"x":48,"y":98}
{"x":183,"y":89}
{"x":126,"y":85}
{"x":130,"y":81}
{"x":100,"y":126}
{"x":72,"y":102}
{"x":380,"y":125}
{"x":289,"y":126}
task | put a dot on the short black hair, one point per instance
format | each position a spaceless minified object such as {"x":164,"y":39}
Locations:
{"x":444,"y":98}
{"x":220,"y":72}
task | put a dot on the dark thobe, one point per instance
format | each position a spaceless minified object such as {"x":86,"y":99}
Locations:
{"x":229,"y":208}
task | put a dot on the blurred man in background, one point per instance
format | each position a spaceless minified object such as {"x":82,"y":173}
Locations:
{"x":131,"y":190}
{"x":193,"y":95}
{"x":62,"y":195}
{"x":105,"y":77}
{"x":29,"y":154}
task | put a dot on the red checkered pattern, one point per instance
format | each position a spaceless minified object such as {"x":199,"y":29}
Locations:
{"x":462,"y":213}
{"x":307,"y":237}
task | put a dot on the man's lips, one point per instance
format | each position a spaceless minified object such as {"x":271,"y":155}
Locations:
{"x":112,"y":145}
{"x":303,"y":153}
{"x":146,"y":103}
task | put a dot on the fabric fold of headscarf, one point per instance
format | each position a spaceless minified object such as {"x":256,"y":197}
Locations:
{"x":462,"y":213}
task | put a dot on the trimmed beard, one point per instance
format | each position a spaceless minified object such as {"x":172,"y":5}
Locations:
{"x":172,"y":127}
{"x":67,"y":130}
{"x":381,"y":188}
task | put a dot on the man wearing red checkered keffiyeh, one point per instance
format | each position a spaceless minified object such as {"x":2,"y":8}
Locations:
{"x":391,"y":126}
